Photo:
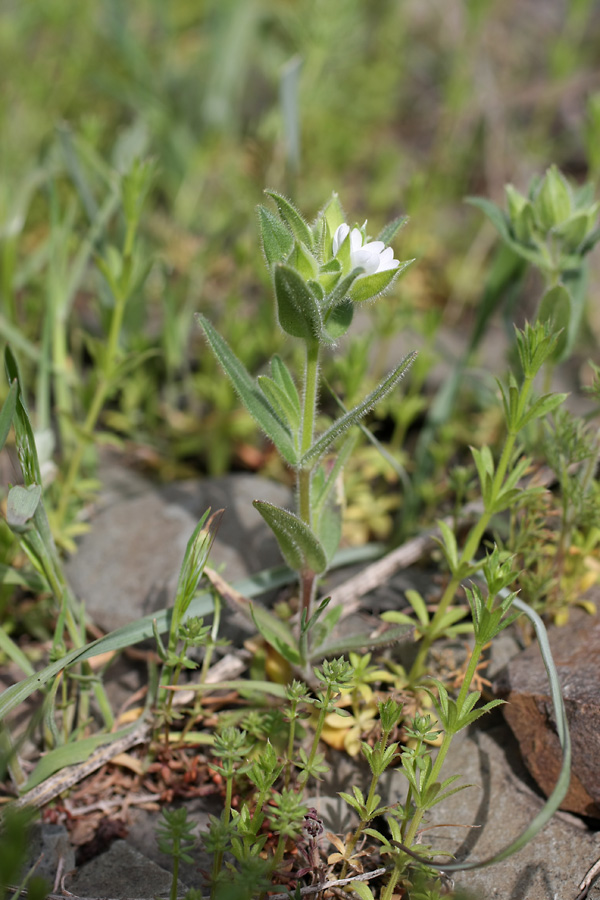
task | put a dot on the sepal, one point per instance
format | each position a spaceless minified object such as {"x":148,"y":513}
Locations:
{"x":277,"y":242}
{"x":298,"y":308}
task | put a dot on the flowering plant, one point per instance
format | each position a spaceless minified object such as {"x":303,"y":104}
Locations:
{"x":320,"y":272}
{"x":552,"y":228}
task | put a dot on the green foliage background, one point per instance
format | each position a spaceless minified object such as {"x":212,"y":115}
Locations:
{"x":400,"y":105}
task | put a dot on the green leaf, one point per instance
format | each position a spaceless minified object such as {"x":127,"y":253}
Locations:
{"x":277,"y":241}
{"x":484,"y":463}
{"x":270,"y":629}
{"x":250,"y":394}
{"x":369,"y":286}
{"x":25,"y":439}
{"x":339,"y":320}
{"x":298,"y":309}
{"x":130,"y":363}
{"x":500,"y":221}
{"x":343,"y":424}
{"x":389,"y":231}
{"x":194,"y":559}
{"x":360,"y":641}
{"x":443,"y":795}
{"x":8,"y":411}
{"x":334,"y":215}
{"x":123,"y":637}
{"x":324,"y":490}
{"x":279,"y":400}
{"x":71,"y":754}
{"x":362,"y":889}
{"x":574,"y":230}
{"x":555,"y":310}
{"x":303,"y":261}
{"x":590,"y":242}
{"x":329,"y":274}
{"x":418,"y":604}
{"x":553,"y":202}
{"x":497,"y":217}
{"x":27,"y":578}
{"x":329,"y":526}
{"x":341,"y":291}
{"x":398,"y":618}
{"x":14,"y":652}
{"x":449,"y":545}
{"x":244,"y":686}
{"x":300,"y":547}
{"x":282,"y":377}
{"x":21,"y":506}
{"x":292,"y":218}
{"x":542,"y":407}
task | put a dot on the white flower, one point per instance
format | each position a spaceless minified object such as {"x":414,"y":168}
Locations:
{"x":373,"y":256}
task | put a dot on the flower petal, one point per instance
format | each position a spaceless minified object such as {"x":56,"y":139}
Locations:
{"x":387,"y":261}
{"x":339,"y":237}
{"x":367,"y":259}
{"x":356,"y":240}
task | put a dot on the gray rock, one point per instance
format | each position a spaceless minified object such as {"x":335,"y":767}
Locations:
{"x":50,"y":849}
{"x":127,"y":565}
{"x":142,"y":836}
{"x":500,"y":804}
{"x":121,"y":872}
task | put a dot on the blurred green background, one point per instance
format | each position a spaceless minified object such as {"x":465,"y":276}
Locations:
{"x":402,"y":106}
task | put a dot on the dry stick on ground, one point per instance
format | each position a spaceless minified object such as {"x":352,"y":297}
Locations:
{"x":350,"y":592}
{"x":591,"y":876}
{"x":72,"y":775}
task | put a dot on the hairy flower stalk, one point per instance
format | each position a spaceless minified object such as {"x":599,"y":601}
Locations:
{"x":320,"y":272}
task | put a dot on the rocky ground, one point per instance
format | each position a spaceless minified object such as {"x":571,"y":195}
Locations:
{"x":127,"y":567}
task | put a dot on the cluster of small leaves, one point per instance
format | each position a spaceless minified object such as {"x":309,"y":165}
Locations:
{"x":315,"y":290}
{"x":557,"y":536}
{"x":553,"y":228}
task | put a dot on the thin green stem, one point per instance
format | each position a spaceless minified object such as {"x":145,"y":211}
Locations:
{"x":278,"y":855}
{"x":311,"y":379}
{"x":101,"y":390}
{"x":361,"y":826}
{"x":388,"y":891}
{"x":218,"y":859}
{"x":315,"y":744}
{"x":290,"y":748}
{"x":447,"y":740}
{"x":174,"y":882}
{"x":475,"y":536}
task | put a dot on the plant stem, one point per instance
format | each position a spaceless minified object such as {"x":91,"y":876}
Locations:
{"x":315,"y":744}
{"x":175,"y":877}
{"x":290,"y":748}
{"x":218,"y":859}
{"x":361,"y":826}
{"x":311,"y":378}
{"x":101,"y":390}
{"x":445,"y":746}
{"x":474,"y":538}
{"x":388,"y":891}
